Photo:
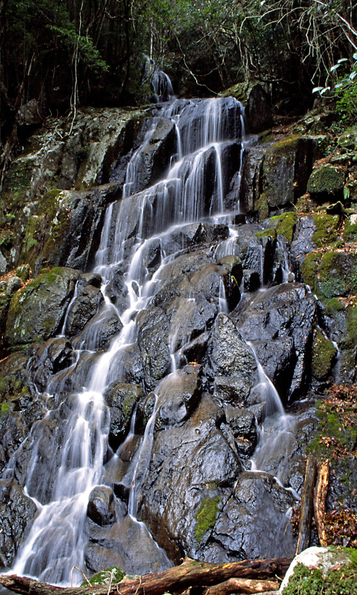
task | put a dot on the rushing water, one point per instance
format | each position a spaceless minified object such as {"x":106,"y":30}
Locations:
{"x":143,"y":219}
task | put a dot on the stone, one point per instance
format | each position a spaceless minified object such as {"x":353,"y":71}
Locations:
{"x":253,"y":524}
{"x":185,"y":486}
{"x":259,"y":113}
{"x":36,"y":312}
{"x":101,"y":507}
{"x":326,"y":183}
{"x":121,"y":399}
{"x":16,"y":517}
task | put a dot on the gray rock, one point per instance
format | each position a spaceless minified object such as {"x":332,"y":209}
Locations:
{"x":101,"y":507}
{"x":190,"y":468}
{"x":279,"y":322}
{"x":121,"y":399}
{"x":17,"y":513}
{"x":253,"y":524}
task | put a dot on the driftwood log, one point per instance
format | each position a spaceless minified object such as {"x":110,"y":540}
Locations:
{"x":306,"y":507}
{"x":189,"y":574}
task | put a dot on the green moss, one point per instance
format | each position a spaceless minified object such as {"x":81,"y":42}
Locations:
{"x":109,"y":576}
{"x":338,"y":274}
{"x":206,"y":516}
{"x":313,"y":581}
{"x":267,"y":233}
{"x":326,"y":180}
{"x":349,"y":340}
{"x":309,"y":269}
{"x":263,"y":207}
{"x":323,"y":354}
{"x":337,"y":429}
{"x":333,"y":305}
{"x":350,"y":231}
{"x":285,"y":225}
{"x":326,"y":229}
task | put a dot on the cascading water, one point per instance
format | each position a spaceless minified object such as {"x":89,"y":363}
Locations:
{"x":142,"y":228}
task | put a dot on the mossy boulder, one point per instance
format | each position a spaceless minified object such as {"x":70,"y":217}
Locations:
{"x":285,"y":225}
{"x":326,"y":183}
{"x":337,"y":274}
{"x":36,"y":312}
{"x":326,"y":229}
{"x":350,"y":231}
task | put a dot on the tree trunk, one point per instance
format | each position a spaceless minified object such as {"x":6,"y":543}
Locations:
{"x":188,"y":574}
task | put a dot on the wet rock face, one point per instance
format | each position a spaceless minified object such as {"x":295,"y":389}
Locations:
{"x":245,"y":528}
{"x":280,"y":323}
{"x":189,"y":465}
{"x":16,"y":516}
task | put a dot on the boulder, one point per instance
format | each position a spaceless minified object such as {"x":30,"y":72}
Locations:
{"x":258,"y":112}
{"x":254,"y":524}
{"x":186,"y":483}
{"x":37,"y":311}
{"x":326,"y":183}
{"x":121,"y":399}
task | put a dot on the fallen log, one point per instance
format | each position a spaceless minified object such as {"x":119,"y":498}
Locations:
{"x":242,"y":585}
{"x":320,"y":501}
{"x":189,"y":574}
{"x":306,"y":506}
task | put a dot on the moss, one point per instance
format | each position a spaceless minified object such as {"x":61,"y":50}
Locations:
{"x":206,"y":516}
{"x":108,"y":576}
{"x":350,"y":231}
{"x":313,"y":581}
{"x":338,"y":274}
{"x":285,"y":225}
{"x":349,"y":340}
{"x":309,"y":269}
{"x":263,"y":207}
{"x":326,"y":229}
{"x":323,"y":354}
{"x":267,"y":233}
{"x":326,"y":180}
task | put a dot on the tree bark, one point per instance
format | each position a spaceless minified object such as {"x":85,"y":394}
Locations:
{"x":188,"y":574}
{"x":320,"y":501}
{"x":306,"y":508}
{"x":242,"y":585}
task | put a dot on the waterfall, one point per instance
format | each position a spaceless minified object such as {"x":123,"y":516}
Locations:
{"x":145,"y":221}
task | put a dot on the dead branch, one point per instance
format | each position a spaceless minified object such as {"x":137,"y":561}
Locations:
{"x":320,"y":501}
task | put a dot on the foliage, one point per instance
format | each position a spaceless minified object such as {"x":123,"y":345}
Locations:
{"x":108,"y":576}
{"x":313,"y":581}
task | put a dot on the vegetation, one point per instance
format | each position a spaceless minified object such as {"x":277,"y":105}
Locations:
{"x":206,"y":516}
{"x":313,"y":581}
